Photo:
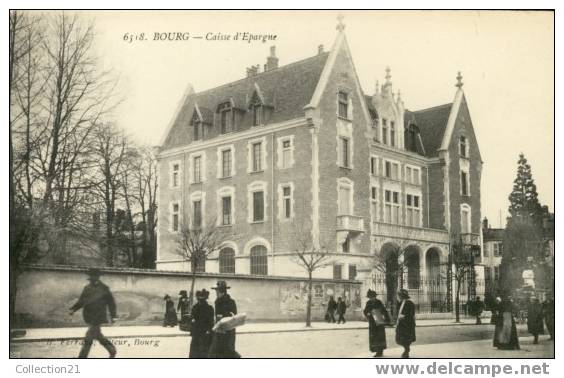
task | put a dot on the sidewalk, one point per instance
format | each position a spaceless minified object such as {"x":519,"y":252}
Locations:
{"x":474,"y":349}
{"x":117,"y":331}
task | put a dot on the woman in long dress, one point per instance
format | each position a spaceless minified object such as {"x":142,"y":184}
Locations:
{"x":202,"y":324}
{"x":505,"y":335}
{"x":378,"y":317}
{"x":535,"y":324}
{"x":405,"y":328}
{"x":170,"y":319}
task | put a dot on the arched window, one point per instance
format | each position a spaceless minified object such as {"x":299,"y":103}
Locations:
{"x":413,"y":274}
{"x":227,"y":260}
{"x":259,"y":260}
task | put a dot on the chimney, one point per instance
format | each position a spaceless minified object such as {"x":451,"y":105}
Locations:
{"x":253,"y":70}
{"x":485,"y":224}
{"x":320,"y":49}
{"x":272,"y":60}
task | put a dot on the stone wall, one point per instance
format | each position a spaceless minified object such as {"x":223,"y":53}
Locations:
{"x":46,"y":292}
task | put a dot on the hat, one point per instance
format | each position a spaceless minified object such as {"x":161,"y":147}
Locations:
{"x":202,"y":294}
{"x":166,"y":296}
{"x":221,"y":286}
{"x":371,"y":294}
{"x":183,"y":293}
{"x":402,"y":293}
{"x":94,"y":273}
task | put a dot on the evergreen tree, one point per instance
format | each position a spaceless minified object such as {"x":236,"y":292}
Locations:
{"x":522,"y":244}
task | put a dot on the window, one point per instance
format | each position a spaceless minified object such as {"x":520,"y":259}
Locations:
{"x":258,"y":206}
{"x":374,"y":202}
{"x":257,"y":156}
{"x":199,"y":262}
{"x":345,"y":200}
{"x":486,"y":249}
{"x":352,"y":272}
{"x":373,"y":165}
{"x":286,"y":153}
{"x":391,"y":207}
{"x":496,"y":273}
{"x":197,"y":169}
{"x":175,"y":217}
{"x":413,"y":211}
{"x":257,"y":114}
{"x":345,"y":158}
{"x":497,"y":249}
{"x":343,"y":105}
{"x":392,"y":133}
{"x":384,"y":131}
{"x":318,"y":291}
{"x":197,"y":215}
{"x":346,"y":245}
{"x":337,"y":272}
{"x":391,"y":170}
{"x":412,"y":175}
{"x":227,"y":260}
{"x":287,"y":202}
{"x":226,"y":211}
{"x":225,"y":117}
{"x":465,"y":220}
{"x":197,"y":126}
{"x":463,"y":147}
{"x":175,"y":175}
{"x":464,"y":189}
{"x":259,"y":260}
{"x":226,"y":163}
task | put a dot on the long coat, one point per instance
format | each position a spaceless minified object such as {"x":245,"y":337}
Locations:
{"x":170,"y":318}
{"x":505,"y":335}
{"x":201,"y":330}
{"x":182,"y":307}
{"x":95,"y":301}
{"x":223,"y":344}
{"x":535,"y":323}
{"x":405,"y":328}
{"x":548,"y":312}
{"x":376,"y":332}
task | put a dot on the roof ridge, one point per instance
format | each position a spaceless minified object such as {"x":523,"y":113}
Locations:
{"x":263,"y":73}
{"x":431,"y":108}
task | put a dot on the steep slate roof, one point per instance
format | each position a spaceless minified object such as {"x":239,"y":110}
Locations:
{"x":287,"y":88}
{"x":493,"y":234}
{"x":432,"y":124}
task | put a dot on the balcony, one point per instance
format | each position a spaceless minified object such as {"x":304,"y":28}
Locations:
{"x":410,"y":233}
{"x":350,"y":223}
{"x":470,"y":239}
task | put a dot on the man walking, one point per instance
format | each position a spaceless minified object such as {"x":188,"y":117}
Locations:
{"x":405,"y":327}
{"x":341,"y":309}
{"x":95,"y":300}
{"x":331,"y":308}
{"x":223,"y":343}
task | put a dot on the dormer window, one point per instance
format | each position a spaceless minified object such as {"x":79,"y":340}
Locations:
{"x":225,"y":111}
{"x":197,"y":127}
{"x":343,"y":99}
{"x":257,"y":110}
{"x":463,"y":146}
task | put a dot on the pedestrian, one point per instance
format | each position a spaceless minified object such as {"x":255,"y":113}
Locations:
{"x":96,"y":300}
{"x":223,"y":344}
{"x":478,"y":309}
{"x":184,"y":308}
{"x":495,"y":310}
{"x":405,"y":326}
{"x":535,"y":324}
{"x":331,"y":308}
{"x":378,"y":318}
{"x":505,"y":335}
{"x":170,"y":319}
{"x":548,"y":313}
{"x":341,"y":309}
{"x":202,"y":324}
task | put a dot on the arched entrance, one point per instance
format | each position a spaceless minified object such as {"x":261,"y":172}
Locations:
{"x":390,"y":255}
{"x":436,"y":281}
{"x":413,"y":267}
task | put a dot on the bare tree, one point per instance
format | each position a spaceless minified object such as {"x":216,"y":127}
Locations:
{"x":462,"y":268}
{"x":311,"y":258}
{"x":195,"y":243}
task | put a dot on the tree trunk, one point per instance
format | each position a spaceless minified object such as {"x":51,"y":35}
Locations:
{"x":193,"y":283}
{"x":309,"y":298}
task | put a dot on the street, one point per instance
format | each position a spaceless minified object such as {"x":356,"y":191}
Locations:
{"x":436,"y":341}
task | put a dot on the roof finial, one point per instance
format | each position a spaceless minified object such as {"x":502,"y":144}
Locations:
{"x":388,"y":75}
{"x":459,"y":82}
{"x":340,"y":24}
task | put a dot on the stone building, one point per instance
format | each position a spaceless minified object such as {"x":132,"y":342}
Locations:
{"x":302,"y":148}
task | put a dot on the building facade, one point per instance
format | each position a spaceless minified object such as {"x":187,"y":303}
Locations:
{"x":302,"y":149}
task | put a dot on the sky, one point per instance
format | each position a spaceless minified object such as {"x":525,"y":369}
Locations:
{"x":506,"y":60}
